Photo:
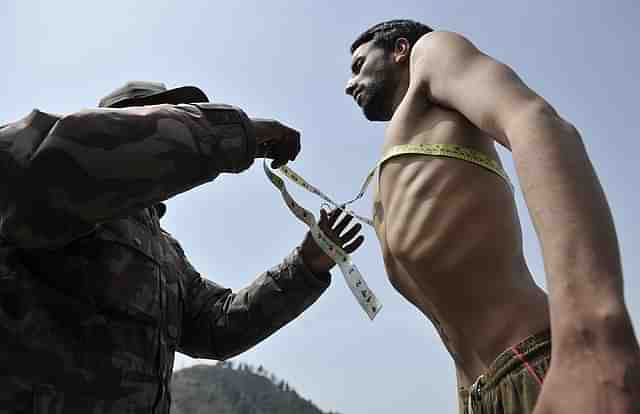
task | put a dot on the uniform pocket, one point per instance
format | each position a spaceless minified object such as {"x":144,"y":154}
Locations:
{"x":124,"y":273}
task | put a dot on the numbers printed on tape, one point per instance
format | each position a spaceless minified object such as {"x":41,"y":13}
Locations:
{"x":365,"y":297}
{"x":449,"y":151}
{"x":433,"y":150}
{"x":296,"y":178}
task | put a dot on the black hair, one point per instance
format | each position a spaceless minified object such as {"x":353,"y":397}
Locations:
{"x":385,"y":34}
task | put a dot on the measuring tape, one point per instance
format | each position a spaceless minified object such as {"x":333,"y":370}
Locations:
{"x":365,"y":297}
{"x":433,"y":150}
{"x":446,"y":150}
{"x":296,"y":178}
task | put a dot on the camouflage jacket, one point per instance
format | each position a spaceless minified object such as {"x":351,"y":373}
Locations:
{"x":95,"y":297}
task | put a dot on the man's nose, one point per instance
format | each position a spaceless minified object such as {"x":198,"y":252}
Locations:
{"x":351,"y":86}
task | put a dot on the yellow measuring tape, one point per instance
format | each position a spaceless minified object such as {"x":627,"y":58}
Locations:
{"x":447,"y":150}
{"x":434,"y":150}
{"x":365,"y":297}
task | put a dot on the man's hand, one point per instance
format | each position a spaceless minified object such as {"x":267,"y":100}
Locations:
{"x":312,"y":254}
{"x":594,"y":382}
{"x":276,"y":141}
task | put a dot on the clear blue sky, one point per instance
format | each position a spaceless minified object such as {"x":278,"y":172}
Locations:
{"x":289,"y":60}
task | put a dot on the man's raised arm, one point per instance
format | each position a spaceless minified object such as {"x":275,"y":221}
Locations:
{"x":66,"y":177}
{"x":595,"y":358}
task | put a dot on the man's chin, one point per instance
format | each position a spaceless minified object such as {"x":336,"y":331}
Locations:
{"x":375,"y":115}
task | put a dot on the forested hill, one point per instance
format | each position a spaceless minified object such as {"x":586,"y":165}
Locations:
{"x":228,"y":389}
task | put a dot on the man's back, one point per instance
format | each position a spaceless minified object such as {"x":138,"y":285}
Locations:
{"x":451,"y":237}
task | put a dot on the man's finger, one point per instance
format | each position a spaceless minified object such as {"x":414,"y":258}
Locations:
{"x":296,"y":146}
{"x":351,"y":247}
{"x":333,"y":216}
{"x":278,"y":160}
{"x":343,"y":224}
{"x":323,"y":217}
{"x":350,"y":234}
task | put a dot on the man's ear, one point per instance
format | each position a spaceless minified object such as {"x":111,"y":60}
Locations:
{"x":401,"y":50}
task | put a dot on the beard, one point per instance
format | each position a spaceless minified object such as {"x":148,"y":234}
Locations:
{"x":377,"y":101}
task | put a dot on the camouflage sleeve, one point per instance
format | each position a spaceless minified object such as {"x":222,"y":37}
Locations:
{"x":101,"y":164}
{"x":220,"y":324}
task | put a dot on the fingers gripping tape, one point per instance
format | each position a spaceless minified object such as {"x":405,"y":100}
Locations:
{"x":365,"y":297}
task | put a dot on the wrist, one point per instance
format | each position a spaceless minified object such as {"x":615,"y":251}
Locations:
{"x":599,"y":327}
{"x":317,"y":266}
{"x":318,"y":271}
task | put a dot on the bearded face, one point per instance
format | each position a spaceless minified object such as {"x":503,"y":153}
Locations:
{"x":373,"y":81}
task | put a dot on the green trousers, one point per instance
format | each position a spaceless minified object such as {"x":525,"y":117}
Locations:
{"x":513,"y":381}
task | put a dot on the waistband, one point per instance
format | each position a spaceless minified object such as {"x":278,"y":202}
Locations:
{"x":517,"y":357}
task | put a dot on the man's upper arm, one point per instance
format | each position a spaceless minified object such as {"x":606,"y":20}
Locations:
{"x":101,"y":164}
{"x":457,"y":75}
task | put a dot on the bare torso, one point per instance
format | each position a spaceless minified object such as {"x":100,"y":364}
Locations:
{"x":451,"y":239}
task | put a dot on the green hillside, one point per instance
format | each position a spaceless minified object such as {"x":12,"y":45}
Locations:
{"x":225,"y":389}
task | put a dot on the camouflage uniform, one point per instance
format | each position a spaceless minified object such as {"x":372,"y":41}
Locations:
{"x":95,"y":297}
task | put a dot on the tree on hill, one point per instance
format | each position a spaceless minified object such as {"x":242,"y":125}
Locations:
{"x":240,"y":389}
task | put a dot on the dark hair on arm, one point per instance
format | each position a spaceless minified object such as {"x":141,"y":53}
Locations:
{"x":385,"y":34}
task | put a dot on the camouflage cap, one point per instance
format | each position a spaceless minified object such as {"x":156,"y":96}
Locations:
{"x":140,"y":93}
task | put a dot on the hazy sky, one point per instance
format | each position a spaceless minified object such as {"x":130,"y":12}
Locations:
{"x":289,"y":60}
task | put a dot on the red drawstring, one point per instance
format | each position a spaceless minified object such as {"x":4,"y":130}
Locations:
{"x":526,"y":364}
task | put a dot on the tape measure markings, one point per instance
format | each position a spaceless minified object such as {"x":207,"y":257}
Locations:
{"x":359,"y":288}
{"x":434,"y":150}
{"x":365,"y":297}
{"x":446,"y":150}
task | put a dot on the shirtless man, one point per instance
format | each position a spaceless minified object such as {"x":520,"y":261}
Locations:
{"x":451,"y":238}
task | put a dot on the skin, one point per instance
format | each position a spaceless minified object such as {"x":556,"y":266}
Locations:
{"x":313,"y":256}
{"x":450,"y":234}
{"x":276,"y":141}
{"x":281,"y":144}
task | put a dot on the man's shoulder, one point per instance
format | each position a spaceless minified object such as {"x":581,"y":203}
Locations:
{"x":37,"y":119}
{"x":440,"y":57}
{"x":19,"y":139}
{"x":173,"y":242}
{"x":437,"y":43}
